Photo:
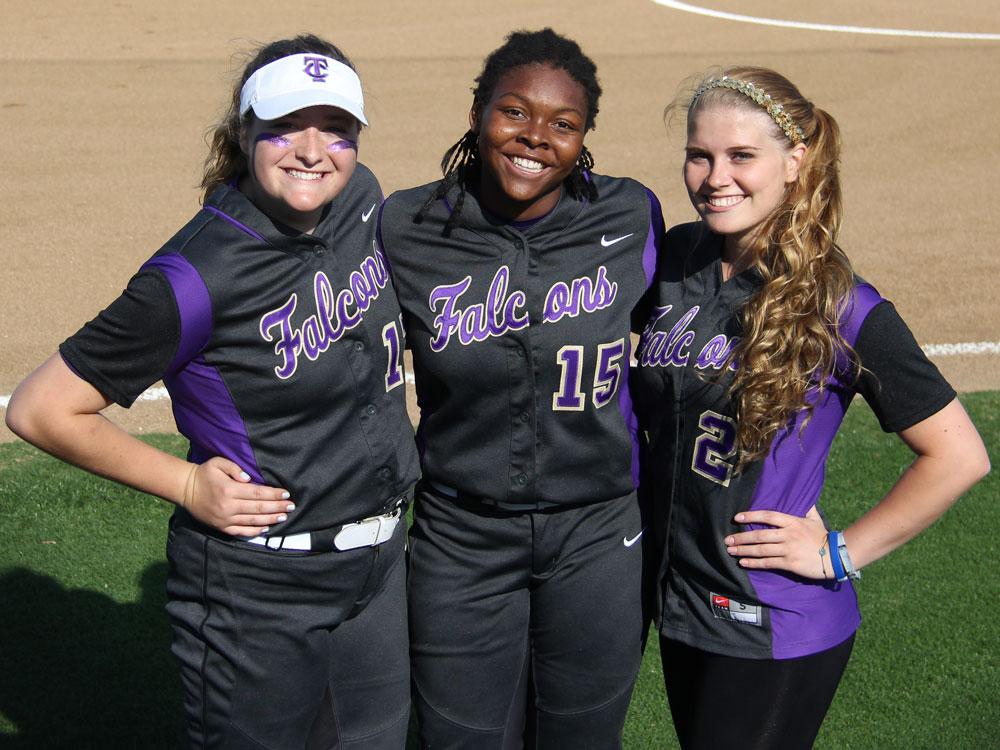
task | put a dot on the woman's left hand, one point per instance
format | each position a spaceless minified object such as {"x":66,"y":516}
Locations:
{"x":793,"y":544}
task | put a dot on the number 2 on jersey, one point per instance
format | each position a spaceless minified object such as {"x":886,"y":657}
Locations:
{"x":714,"y":447}
{"x":607,"y":376}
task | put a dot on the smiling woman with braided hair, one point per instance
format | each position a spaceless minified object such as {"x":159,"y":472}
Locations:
{"x":518,"y":274}
{"x":760,"y":336}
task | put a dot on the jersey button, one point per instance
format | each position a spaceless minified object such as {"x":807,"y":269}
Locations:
{"x":522,"y":479}
{"x":385,"y":474}
{"x":359,"y":346}
{"x":524,"y":416}
{"x":371,"y":408}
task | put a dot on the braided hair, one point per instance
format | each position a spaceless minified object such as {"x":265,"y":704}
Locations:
{"x":461,"y":164}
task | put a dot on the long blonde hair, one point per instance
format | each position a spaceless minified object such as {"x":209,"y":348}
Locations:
{"x":791,"y":342}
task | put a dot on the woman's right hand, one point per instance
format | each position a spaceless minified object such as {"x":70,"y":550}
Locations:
{"x":219,"y":493}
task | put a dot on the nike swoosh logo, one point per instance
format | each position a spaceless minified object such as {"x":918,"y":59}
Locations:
{"x":629,"y":542}
{"x":368,"y":214}
{"x":608,"y":243}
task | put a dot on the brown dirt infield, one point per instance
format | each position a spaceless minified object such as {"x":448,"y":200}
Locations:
{"x":103,"y":106}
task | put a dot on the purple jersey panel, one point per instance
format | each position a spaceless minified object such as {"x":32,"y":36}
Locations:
{"x":791,"y":481}
{"x":206,"y":415}
{"x":203,"y":408}
{"x":653,"y":239}
{"x":628,"y":412}
{"x":194,"y":306}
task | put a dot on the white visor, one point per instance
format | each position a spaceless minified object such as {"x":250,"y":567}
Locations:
{"x":299,"y":81}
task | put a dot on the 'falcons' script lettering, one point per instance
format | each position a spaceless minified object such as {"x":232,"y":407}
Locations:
{"x":499,"y":314}
{"x":335,"y":315}
{"x":662,"y":348}
{"x":504,"y":311}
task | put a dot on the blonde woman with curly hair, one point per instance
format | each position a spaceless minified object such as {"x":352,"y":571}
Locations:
{"x":760,"y":336}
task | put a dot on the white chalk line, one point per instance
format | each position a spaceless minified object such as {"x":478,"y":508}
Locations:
{"x":931,"y":350}
{"x":822,"y":26}
{"x":946,"y":350}
{"x":159,"y":393}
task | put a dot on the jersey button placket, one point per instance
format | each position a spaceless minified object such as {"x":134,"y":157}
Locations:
{"x":521,"y":377}
{"x":521,"y":395}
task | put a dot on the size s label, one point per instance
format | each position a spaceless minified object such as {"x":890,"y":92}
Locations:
{"x":725,"y":608}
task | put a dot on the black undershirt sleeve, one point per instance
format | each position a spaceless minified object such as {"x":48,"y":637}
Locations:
{"x":900,"y":384}
{"x":131,"y":343}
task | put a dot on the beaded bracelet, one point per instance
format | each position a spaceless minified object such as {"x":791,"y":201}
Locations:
{"x":822,"y":557}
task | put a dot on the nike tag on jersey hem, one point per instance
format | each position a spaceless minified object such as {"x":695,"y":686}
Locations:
{"x":368,"y":214}
{"x":727,"y":608}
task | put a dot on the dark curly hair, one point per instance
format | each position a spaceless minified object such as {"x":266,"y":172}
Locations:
{"x":461,"y":163}
{"x":226,"y":161}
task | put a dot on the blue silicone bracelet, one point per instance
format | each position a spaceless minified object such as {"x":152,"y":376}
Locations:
{"x":838,"y":566}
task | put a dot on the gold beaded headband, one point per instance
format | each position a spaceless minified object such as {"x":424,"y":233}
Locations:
{"x":784,"y":120}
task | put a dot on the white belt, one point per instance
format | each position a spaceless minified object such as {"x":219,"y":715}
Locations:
{"x":368,"y":532}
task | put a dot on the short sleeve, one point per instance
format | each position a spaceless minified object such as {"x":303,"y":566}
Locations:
{"x":131,"y":343}
{"x":902,"y":386}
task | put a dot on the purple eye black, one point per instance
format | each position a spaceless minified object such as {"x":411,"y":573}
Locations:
{"x":278,"y":141}
{"x":341,"y":145}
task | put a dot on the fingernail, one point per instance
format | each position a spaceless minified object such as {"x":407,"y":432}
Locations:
{"x":740,"y":516}
{"x":731,"y":550}
{"x":282,"y":518}
{"x":244,"y":475}
{"x":289,"y":507}
{"x":265,"y":530}
{"x":729,"y":540}
{"x":285,"y":496}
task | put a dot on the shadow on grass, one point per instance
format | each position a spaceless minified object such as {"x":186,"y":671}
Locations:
{"x":78,"y":669}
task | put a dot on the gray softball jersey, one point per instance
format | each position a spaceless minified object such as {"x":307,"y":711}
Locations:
{"x":520,"y":339}
{"x":281,"y":351}
{"x":705,"y":598}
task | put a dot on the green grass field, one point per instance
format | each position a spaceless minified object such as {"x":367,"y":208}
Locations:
{"x":84,"y":641}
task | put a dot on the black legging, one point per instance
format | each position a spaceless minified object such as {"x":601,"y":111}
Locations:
{"x":753,"y":704}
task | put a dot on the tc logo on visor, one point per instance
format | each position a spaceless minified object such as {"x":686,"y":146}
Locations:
{"x":316,"y":68}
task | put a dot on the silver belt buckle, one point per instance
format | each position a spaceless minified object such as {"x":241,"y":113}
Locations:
{"x":368,"y":532}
